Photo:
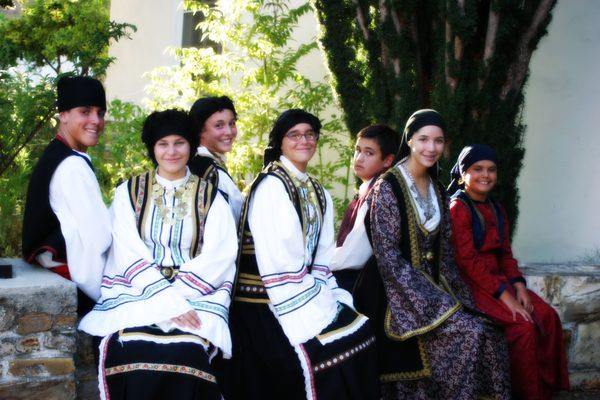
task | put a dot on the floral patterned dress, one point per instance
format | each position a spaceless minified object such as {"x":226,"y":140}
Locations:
{"x":463,"y":356}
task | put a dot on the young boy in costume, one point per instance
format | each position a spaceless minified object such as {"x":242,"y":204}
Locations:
{"x":375,"y":150}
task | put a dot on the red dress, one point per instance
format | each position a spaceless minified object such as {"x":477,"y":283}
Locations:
{"x":537,"y":355}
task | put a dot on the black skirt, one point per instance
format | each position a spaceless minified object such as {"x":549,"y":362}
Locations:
{"x":146,"y":363}
{"x":333,"y":365}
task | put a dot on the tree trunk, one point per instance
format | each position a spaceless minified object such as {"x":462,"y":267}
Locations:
{"x":467,"y":59}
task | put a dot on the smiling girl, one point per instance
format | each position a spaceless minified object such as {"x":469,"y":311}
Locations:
{"x":484,"y":256}
{"x":215,"y":123}
{"x":296,"y":335}
{"x":167,"y":283}
{"x":431,"y":341}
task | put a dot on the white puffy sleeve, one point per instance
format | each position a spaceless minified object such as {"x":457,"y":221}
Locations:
{"x":85,"y":223}
{"x":356,"y":249}
{"x":324,"y":255}
{"x":303,"y":302}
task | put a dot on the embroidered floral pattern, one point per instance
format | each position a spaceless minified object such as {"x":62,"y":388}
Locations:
{"x":478,"y":362}
{"x":179,"y":369}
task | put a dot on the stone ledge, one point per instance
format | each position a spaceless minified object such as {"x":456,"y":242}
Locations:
{"x":574,"y":291}
{"x":565,"y":269}
{"x":37,"y":334}
{"x":54,"y":389}
{"x":33,"y":367}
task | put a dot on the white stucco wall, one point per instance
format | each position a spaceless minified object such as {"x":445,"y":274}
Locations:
{"x":159,"y":24}
{"x":559,"y":183}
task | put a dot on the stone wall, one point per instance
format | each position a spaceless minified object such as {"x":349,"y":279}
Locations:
{"x":43,"y":357}
{"x":574,"y":291}
{"x":37,"y":335}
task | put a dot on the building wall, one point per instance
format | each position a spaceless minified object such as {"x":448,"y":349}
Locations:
{"x":158,"y":28}
{"x":159,"y":25}
{"x":560,"y":192}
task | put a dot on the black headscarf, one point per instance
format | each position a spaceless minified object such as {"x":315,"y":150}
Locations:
{"x":286,"y":121}
{"x":79,"y":91}
{"x":468,"y":156}
{"x":203,"y":108}
{"x":417,"y":120}
{"x":169,"y":122}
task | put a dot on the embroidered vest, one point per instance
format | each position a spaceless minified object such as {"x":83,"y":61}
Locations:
{"x":140,"y":188}
{"x":421,"y":247}
{"x":249,"y":286}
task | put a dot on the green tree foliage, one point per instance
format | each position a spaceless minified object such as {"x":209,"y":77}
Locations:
{"x":120,"y":154}
{"x":469,"y":59}
{"x":48,"y":38}
{"x":257,"y":68}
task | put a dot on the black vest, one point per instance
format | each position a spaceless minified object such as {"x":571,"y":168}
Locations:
{"x":140,"y":192}
{"x":41,"y":228}
{"x":207,"y":168}
{"x":248,"y":284}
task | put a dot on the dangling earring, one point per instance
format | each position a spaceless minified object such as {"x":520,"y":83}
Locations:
{"x":461,"y":181}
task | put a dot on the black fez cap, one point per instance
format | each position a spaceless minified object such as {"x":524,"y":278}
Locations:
{"x":203,"y":108}
{"x":79,"y":91}
{"x":286,"y":121}
{"x":417,"y":120}
{"x":468,"y":156}
{"x":164,"y":123}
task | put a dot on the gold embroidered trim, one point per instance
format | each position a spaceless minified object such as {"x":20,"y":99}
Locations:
{"x":250,"y":282}
{"x":149,"y":335}
{"x":180,"y":369}
{"x":416,"y":261}
{"x":250,"y":277}
{"x":204,"y":204}
{"x":359,"y":318}
{"x":411,"y":375}
{"x":251,"y":300}
{"x":419,"y":331}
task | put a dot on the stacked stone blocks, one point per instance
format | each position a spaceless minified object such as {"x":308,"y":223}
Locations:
{"x":43,"y":357}
{"x":37,"y":335}
{"x":574,"y":291}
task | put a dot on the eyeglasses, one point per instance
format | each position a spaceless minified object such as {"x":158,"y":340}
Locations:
{"x":296,"y":136}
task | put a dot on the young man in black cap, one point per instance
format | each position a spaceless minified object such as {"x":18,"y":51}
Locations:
{"x":66,"y":226}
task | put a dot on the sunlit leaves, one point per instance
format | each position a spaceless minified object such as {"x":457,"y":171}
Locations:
{"x":258,"y":69}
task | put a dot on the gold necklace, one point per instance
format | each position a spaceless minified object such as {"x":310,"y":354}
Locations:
{"x":163,"y":198}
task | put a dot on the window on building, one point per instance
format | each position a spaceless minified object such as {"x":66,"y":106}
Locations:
{"x":192,"y":35}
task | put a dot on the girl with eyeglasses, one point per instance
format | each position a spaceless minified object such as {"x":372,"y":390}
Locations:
{"x":296,"y":334}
